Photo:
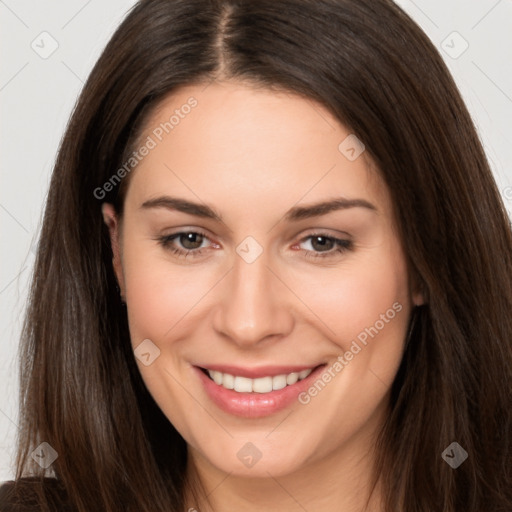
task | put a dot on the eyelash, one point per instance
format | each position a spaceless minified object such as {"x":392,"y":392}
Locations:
{"x":342,"y":245}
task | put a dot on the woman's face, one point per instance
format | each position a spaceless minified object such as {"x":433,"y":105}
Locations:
{"x":257,"y":243}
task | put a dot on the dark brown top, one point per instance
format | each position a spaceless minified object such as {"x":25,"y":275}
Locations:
{"x":22,"y":496}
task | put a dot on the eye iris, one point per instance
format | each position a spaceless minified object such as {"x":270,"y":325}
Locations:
{"x":324,"y":243}
{"x":195,"y":239}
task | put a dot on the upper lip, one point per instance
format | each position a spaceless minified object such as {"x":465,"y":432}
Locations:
{"x":259,"y":371}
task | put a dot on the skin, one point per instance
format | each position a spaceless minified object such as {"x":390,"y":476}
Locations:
{"x":251,"y":155}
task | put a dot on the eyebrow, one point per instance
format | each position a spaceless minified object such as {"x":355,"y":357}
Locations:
{"x":294,"y":214}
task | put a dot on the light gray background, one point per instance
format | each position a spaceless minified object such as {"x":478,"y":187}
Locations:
{"x":38,"y":91}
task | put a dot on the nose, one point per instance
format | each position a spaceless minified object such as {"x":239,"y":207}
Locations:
{"x":253,"y":307}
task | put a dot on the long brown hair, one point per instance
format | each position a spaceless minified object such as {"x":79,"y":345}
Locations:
{"x":378,"y":73}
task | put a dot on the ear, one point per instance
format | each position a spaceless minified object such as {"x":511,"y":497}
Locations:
{"x":112,"y":221}
{"x":416,"y":287}
{"x":418,"y":299}
{"x":417,"y":294}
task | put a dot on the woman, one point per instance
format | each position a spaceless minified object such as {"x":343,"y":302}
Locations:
{"x":274,"y":273}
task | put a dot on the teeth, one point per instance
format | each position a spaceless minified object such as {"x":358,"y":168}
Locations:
{"x":243,"y":385}
{"x":260,"y":385}
{"x":228,"y":381}
{"x":304,"y":373}
{"x":279,"y":382}
{"x":292,"y":378}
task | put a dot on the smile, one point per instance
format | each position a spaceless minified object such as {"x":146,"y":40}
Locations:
{"x":255,"y":393}
{"x":260,"y":385}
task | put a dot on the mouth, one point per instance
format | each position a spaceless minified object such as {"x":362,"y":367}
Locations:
{"x":265,"y":384}
{"x":255,"y":393}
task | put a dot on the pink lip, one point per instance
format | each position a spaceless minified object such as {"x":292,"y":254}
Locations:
{"x":255,"y":405}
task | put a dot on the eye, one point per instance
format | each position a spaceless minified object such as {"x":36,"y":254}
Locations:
{"x":184,"y":243}
{"x":192,"y":243}
{"x":325,"y":246}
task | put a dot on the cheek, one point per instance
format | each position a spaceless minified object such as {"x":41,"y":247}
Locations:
{"x":368,"y":290}
{"x":363,"y":310}
{"x":159,"y":293}
{"x":161,"y":297}
{"x":346,"y":301}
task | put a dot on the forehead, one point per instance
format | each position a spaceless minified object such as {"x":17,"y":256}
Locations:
{"x":250,"y":148}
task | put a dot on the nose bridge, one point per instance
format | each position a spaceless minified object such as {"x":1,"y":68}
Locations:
{"x":253,"y":304}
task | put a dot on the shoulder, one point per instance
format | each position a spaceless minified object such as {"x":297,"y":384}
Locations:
{"x":25,"y":495}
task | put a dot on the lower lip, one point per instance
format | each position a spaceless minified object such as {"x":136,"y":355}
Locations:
{"x":255,"y":405}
